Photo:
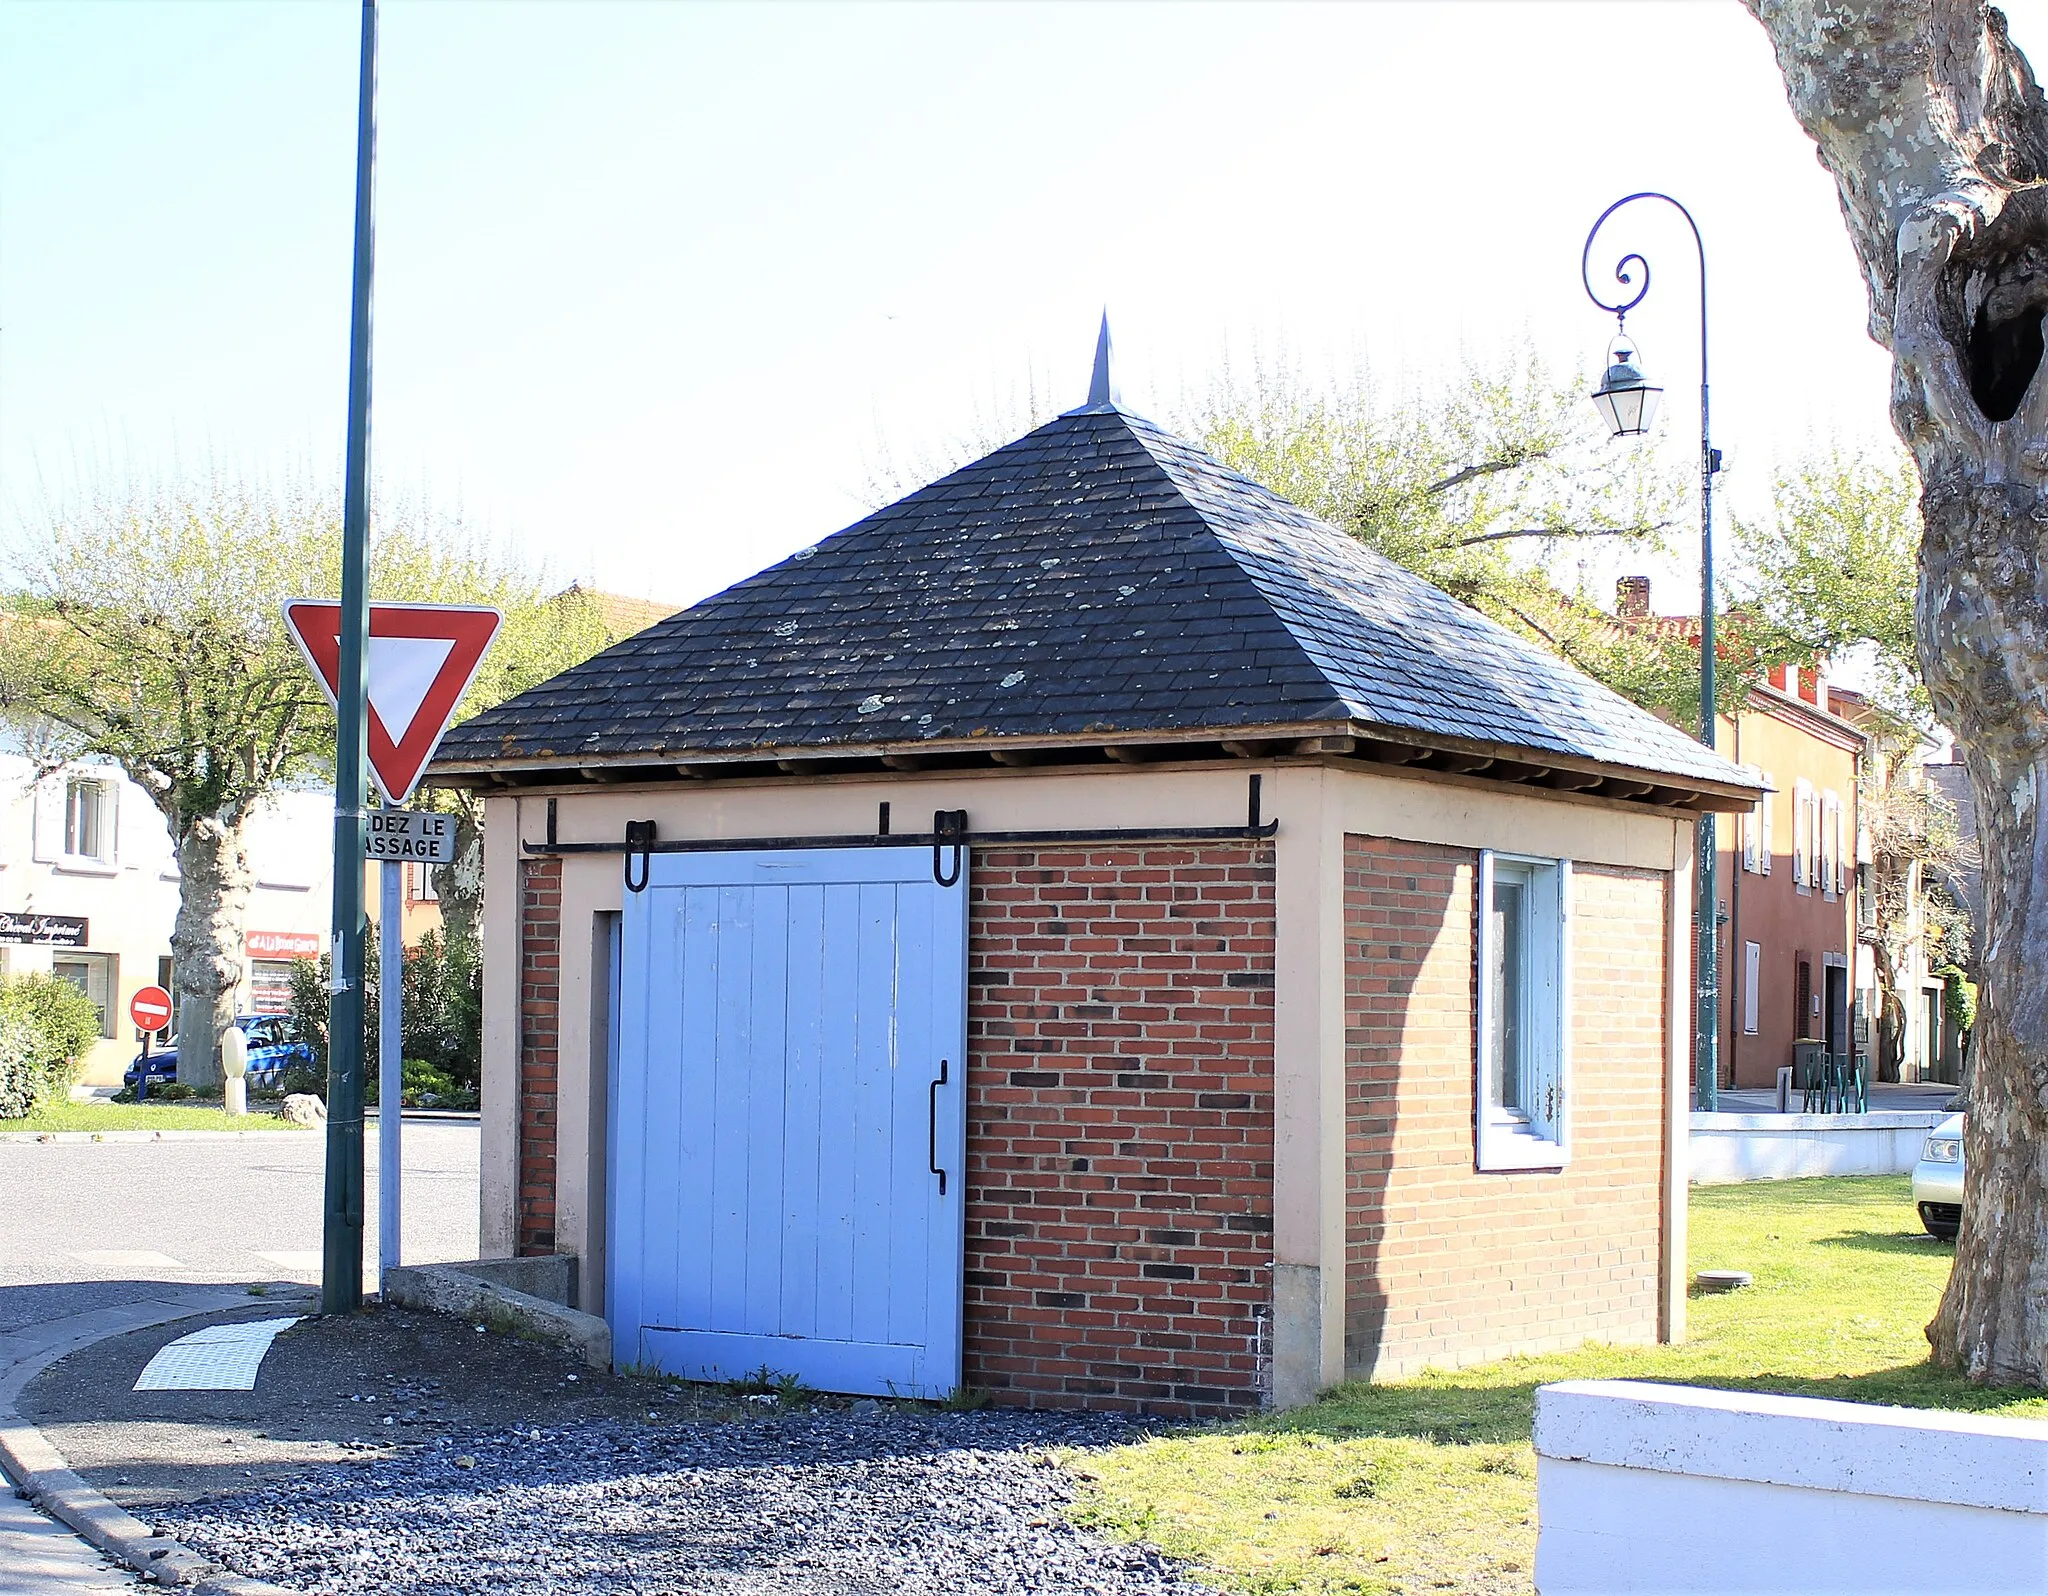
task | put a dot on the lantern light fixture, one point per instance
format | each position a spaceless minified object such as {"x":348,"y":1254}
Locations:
{"x":1627,"y":402}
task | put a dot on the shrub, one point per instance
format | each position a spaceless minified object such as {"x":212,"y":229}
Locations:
{"x":20,"y":1070}
{"x":443,"y":1009}
{"x":441,"y":1013}
{"x":50,"y":1024}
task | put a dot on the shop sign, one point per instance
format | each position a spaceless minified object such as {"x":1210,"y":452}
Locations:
{"x":284,"y":945}
{"x":43,"y":930}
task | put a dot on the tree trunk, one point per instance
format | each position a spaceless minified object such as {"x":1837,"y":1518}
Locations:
{"x":1891,"y":1033}
{"x":460,"y":886}
{"x":214,"y":884}
{"x":1993,"y":1320}
{"x":1937,"y":137}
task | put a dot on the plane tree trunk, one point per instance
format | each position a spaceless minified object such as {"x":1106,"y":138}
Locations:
{"x":460,"y":886}
{"x":1937,"y":136}
{"x":214,"y":884}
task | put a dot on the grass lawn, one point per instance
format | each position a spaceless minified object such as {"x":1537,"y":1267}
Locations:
{"x":1430,"y":1484}
{"x":146,"y":1116}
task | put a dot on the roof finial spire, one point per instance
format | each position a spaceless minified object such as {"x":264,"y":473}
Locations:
{"x":1102,"y":394}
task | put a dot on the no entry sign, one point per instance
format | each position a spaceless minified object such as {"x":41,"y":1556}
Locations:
{"x":150,"y":1009}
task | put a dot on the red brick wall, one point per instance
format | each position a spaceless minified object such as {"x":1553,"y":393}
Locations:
{"x":1446,"y":1265}
{"x":1120,"y":1131}
{"x":540,"y":963}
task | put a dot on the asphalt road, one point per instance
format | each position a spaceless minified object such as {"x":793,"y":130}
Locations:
{"x":87,"y":1224}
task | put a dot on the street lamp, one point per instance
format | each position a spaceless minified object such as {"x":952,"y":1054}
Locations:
{"x":1628,"y":404}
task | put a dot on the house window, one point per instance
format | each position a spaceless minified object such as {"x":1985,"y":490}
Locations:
{"x":1802,"y":1001}
{"x":94,"y":975}
{"x":1523,"y":1024}
{"x":419,"y":883}
{"x":89,"y":819}
{"x":1752,"y":966}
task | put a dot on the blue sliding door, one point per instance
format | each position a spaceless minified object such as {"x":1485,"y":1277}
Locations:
{"x":784,"y":1021}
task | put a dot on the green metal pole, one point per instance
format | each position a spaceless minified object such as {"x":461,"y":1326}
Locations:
{"x":341,"y":1275}
{"x":1707,"y":912}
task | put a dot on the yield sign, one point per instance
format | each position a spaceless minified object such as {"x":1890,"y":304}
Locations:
{"x":422,"y":659}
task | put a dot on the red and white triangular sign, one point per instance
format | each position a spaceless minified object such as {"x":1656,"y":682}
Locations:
{"x":422,"y":659}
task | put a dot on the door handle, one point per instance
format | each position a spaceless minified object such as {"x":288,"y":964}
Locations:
{"x":932,"y":1128}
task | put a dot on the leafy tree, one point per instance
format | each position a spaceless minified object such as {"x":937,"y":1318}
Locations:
{"x":1831,"y":573}
{"x":1494,"y":489}
{"x":1936,"y":133}
{"x":146,"y":630}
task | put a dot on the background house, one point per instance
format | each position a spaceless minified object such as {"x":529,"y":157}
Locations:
{"x":1284,"y":986}
{"x":1788,"y":878}
{"x":1786,"y":918}
{"x":89,"y":892}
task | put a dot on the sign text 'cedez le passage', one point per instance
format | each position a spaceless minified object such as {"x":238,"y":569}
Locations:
{"x":419,"y":835}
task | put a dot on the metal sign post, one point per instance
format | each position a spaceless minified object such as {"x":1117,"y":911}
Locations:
{"x":390,"y":1065}
{"x":396,"y":836}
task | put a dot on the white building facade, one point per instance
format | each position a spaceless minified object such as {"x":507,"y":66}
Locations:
{"x":89,"y":892}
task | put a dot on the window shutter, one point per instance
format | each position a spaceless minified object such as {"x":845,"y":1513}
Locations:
{"x":1819,"y":832}
{"x":46,"y":846}
{"x":1556,"y":1096}
{"x":1830,"y":849}
{"x":112,"y":796}
{"x":1764,"y":842}
{"x":1802,"y":832}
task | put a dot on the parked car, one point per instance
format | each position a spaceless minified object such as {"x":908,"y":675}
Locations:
{"x":274,"y":1047}
{"x":1938,"y":1180}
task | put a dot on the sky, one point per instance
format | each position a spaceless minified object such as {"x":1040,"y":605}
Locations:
{"x":663,"y":287}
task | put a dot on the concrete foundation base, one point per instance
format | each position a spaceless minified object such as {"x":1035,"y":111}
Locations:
{"x":523,"y":1296}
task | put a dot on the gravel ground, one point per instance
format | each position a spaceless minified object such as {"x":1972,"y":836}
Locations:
{"x":861,"y":1502}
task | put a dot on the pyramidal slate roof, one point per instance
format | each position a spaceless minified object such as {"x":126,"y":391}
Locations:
{"x":1098,"y":577}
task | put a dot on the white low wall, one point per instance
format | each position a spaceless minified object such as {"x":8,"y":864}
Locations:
{"x":1651,"y":1488}
{"x":1732,"y":1147}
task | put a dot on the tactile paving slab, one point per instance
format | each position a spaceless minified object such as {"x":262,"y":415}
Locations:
{"x":221,"y":1357}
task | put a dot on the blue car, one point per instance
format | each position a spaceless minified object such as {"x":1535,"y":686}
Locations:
{"x":274,"y":1047}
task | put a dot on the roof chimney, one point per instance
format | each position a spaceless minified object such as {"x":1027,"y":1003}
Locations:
{"x":1632,"y":598}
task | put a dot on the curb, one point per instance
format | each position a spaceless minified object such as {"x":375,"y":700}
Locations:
{"x":427,"y":1116}
{"x":73,"y":1137}
{"x":45,"y":1478}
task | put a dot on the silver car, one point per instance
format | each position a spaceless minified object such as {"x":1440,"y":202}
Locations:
{"x":1938,"y":1179}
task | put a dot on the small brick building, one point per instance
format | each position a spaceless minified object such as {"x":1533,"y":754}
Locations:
{"x":1092,"y":932}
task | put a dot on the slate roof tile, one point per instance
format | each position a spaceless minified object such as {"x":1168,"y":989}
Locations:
{"x":1137,"y":585}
